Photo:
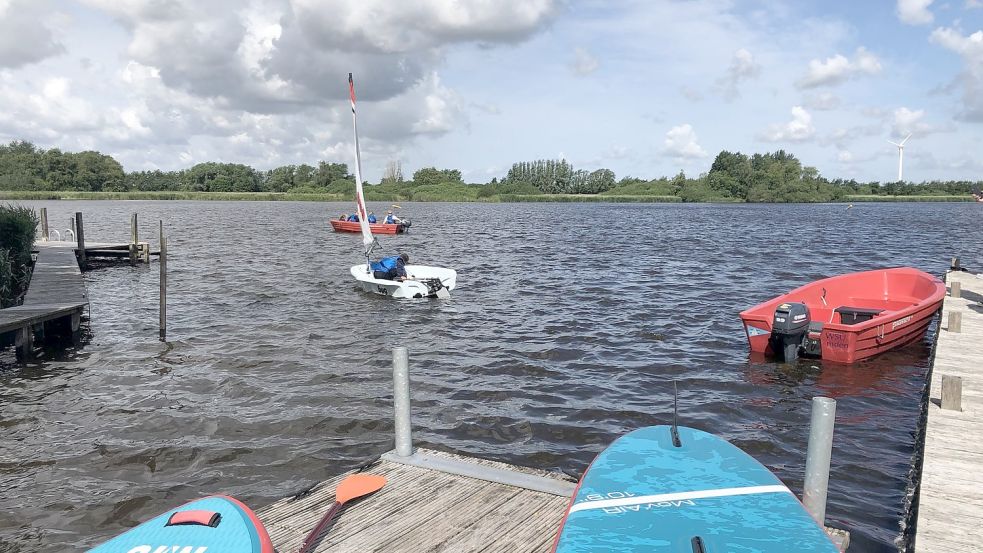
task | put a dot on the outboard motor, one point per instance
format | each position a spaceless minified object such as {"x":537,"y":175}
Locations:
{"x":789,"y":329}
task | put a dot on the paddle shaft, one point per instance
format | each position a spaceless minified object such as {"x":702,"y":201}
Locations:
{"x":309,"y":540}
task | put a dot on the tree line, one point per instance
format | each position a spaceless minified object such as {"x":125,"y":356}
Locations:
{"x":733,"y":176}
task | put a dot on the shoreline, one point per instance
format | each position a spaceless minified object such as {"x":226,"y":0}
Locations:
{"x":6,"y":195}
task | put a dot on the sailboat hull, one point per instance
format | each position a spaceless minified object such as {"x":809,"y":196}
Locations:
{"x":420,"y":284}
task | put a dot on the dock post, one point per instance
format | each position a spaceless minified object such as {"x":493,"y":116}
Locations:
{"x":163,"y":284}
{"x":818,"y":457}
{"x":952,"y":392}
{"x":44,"y":224}
{"x":956,"y":289}
{"x":401,"y":402}
{"x":133,"y":239}
{"x":24,"y":342}
{"x":955,"y":264}
{"x":955,"y":322}
{"x":80,"y":236}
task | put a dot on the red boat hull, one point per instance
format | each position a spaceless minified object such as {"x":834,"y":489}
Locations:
{"x":908,"y":299}
{"x":376,"y":228}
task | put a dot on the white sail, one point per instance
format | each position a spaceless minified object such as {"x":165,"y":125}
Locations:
{"x":363,"y":215}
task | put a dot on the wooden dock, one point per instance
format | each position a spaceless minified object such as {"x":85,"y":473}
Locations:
{"x":56,"y":297}
{"x":433,"y":502}
{"x":950,"y":496}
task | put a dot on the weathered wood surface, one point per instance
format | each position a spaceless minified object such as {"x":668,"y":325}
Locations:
{"x":15,"y":318}
{"x":56,"y":291}
{"x":950,"y":507}
{"x":56,"y":278}
{"x":422,"y":510}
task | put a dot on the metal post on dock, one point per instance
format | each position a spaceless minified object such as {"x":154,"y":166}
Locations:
{"x":44,"y":224}
{"x":401,"y":402}
{"x":80,"y":236}
{"x":133,"y":239}
{"x":818,"y":457}
{"x":163,"y":284}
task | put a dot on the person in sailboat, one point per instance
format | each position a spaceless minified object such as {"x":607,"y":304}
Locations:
{"x":391,"y":268}
{"x":353,"y":218}
{"x":371,"y":218}
{"x":391,"y":219}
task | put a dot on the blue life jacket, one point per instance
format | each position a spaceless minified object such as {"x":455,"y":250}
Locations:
{"x":353,"y":218}
{"x":372,"y":218}
{"x":389,"y":220}
{"x":385,"y":264}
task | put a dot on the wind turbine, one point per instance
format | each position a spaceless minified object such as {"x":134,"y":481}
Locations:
{"x":901,"y":154}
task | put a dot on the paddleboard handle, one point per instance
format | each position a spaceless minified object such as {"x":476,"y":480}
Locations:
{"x":674,"y":431}
{"x":697,"y":543}
{"x":195,"y":517}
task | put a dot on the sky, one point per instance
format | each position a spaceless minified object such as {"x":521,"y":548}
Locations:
{"x":646,"y":88}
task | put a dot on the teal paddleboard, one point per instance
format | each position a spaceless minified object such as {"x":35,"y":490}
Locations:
{"x":216,"y":524}
{"x":645,"y":494}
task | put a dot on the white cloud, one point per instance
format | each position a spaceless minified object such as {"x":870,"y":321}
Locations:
{"x":839,"y":68}
{"x":822,"y":102}
{"x":971,"y":79}
{"x":742,"y":67}
{"x":914,"y":12}
{"x":907,"y":121}
{"x":681,"y":142}
{"x":799,"y":129}
{"x":583,"y":63}
{"x":283,"y":55}
{"x":24,"y":36}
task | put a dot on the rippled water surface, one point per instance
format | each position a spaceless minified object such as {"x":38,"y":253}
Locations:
{"x":568,"y":327}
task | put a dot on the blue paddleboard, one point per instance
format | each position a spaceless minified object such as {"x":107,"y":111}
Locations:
{"x":643,"y":493}
{"x":215,"y":524}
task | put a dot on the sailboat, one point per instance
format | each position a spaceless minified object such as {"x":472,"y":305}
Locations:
{"x":422,"y":281}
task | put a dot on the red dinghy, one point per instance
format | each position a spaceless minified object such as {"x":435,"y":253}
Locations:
{"x":846,"y":318}
{"x":377,"y":228}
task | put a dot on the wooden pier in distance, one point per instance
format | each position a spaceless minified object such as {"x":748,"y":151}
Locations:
{"x":950,"y":500}
{"x":481,"y":506}
{"x":56,"y":297}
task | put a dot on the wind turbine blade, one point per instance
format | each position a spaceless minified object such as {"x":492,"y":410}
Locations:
{"x":895,"y":143}
{"x":905,"y":139}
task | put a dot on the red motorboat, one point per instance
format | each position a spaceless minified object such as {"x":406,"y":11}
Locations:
{"x":377,"y":228}
{"x":846,"y":318}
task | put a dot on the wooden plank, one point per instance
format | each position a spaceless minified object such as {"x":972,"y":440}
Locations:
{"x":424,"y":510}
{"x":950,"y":505}
{"x":56,"y":291}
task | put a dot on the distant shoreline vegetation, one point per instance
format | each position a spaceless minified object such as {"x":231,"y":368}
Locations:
{"x":30,"y":173}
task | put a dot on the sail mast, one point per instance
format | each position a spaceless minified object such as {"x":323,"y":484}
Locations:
{"x":368,"y":241}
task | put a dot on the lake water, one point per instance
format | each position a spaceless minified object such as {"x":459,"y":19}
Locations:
{"x":569,"y":326}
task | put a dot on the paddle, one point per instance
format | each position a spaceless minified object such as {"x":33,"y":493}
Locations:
{"x":352,"y":487}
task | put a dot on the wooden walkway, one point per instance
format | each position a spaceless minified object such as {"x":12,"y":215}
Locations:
{"x":56,"y":292}
{"x":950,"y":504}
{"x":423,"y":509}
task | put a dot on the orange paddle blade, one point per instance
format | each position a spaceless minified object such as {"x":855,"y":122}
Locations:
{"x":358,"y":485}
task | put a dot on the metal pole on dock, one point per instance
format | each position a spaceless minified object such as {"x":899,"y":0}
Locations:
{"x":818,"y":457}
{"x":401,"y":402}
{"x":163,"y":284}
{"x":80,"y":236}
{"x":44,"y":224}
{"x":133,"y":239}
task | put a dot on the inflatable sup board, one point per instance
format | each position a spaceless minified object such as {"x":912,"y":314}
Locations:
{"x":643,"y":493}
{"x":216,"y":524}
